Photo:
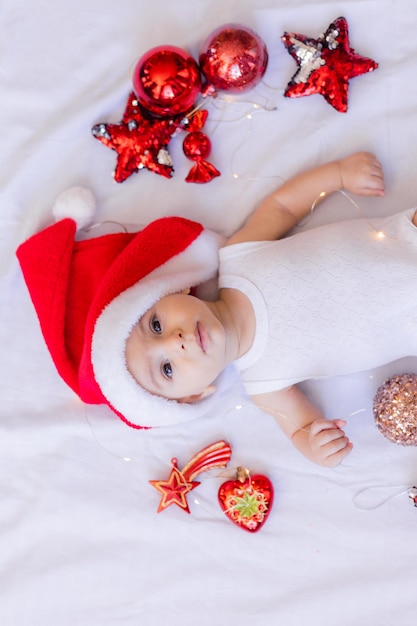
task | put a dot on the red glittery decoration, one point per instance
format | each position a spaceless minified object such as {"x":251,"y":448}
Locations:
{"x":196,"y":121}
{"x":325,"y":65}
{"x":181,"y":482}
{"x":233,"y":58}
{"x":197,"y":147}
{"x":140,"y":141}
{"x":167,"y":80}
{"x":247,"y":500}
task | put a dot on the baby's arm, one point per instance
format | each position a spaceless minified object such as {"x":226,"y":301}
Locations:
{"x":361,"y":173}
{"x":318,"y":439}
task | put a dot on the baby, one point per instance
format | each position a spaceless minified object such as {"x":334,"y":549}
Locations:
{"x":125,"y":330}
{"x":181,"y":344}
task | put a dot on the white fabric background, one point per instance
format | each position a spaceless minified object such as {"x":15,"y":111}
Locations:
{"x":80,"y":540}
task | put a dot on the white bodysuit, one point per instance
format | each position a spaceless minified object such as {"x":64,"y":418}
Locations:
{"x":333,"y":300}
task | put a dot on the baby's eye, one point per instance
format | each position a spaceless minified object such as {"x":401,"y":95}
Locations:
{"x":155,"y":325}
{"x":167,"y":369}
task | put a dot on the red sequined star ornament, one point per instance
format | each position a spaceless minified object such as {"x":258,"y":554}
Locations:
{"x":140,"y":141}
{"x":181,"y":482}
{"x":325,"y":65}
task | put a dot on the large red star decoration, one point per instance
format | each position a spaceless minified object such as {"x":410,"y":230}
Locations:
{"x":181,"y":482}
{"x":140,"y":140}
{"x":325,"y":65}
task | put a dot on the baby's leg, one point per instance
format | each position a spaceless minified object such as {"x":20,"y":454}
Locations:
{"x":414,"y":220}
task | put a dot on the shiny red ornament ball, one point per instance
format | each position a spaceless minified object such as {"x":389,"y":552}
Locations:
{"x":233,"y":58}
{"x":167,"y":81}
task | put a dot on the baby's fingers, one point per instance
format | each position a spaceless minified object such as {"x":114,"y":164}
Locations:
{"x":335,"y":458}
{"x":321,"y":425}
{"x":373,"y":186}
{"x":330,"y":441}
{"x":372,"y":183}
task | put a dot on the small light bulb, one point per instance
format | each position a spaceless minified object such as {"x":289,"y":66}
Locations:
{"x":126,"y":458}
{"x":249,"y":116}
{"x":380,"y":234}
{"x":235,"y":175}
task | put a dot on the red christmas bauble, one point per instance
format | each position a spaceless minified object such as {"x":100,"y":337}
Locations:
{"x":197,"y":147}
{"x":233,"y":58}
{"x":166,"y":81}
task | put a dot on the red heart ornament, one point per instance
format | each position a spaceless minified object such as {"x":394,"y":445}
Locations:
{"x":247,"y":500}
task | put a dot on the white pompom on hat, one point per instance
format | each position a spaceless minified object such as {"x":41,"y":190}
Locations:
{"x":78,"y":203}
{"x":89,"y":294}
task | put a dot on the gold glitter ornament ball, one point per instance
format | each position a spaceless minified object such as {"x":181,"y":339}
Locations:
{"x":395,"y":409}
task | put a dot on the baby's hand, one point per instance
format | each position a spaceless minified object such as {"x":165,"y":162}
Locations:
{"x":361,"y":173}
{"x":328,"y":442}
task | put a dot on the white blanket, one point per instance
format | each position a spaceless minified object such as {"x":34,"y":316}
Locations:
{"x":81,"y":541}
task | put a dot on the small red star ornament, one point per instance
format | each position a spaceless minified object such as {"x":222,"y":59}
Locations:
{"x":181,"y":482}
{"x":325,"y":65}
{"x":197,"y":147}
{"x":175,"y":489}
{"x":247,"y":500}
{"x":140,"y":141}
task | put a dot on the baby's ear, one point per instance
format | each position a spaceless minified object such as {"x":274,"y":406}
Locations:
{"x":198,"y":396}
{"x":186,"y":292}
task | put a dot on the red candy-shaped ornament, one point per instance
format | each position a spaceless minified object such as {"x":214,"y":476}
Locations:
{"x":197,"y":147}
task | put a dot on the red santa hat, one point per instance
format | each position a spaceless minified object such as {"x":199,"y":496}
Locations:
{"x":89,"y":294}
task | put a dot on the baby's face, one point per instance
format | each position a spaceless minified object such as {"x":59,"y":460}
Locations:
{"x":177,"y":349}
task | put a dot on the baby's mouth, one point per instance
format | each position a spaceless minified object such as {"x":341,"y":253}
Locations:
{"x":201,"y":337}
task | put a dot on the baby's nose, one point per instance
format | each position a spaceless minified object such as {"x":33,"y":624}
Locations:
{"x":181,"y":339}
